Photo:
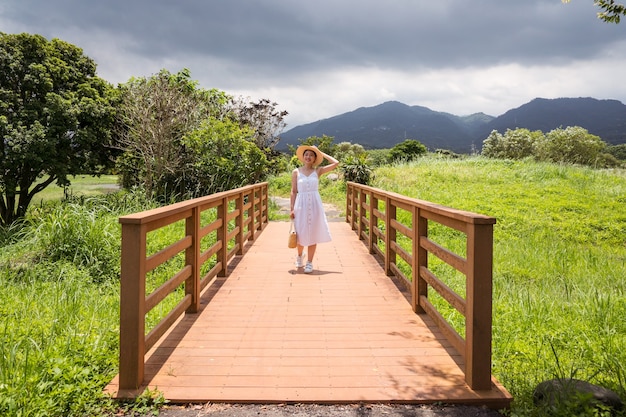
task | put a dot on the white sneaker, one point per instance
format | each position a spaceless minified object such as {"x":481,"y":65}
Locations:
{"x":308,"y":268}
{"x":299,"y":261}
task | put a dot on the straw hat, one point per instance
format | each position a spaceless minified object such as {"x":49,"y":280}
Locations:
{"x":300,"y":154}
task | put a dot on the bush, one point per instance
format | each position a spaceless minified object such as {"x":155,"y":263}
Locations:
{"x":356,"y":170}
{"x":571,"y":145}
{"x":407,"y":151}
{"x":514,"y":144}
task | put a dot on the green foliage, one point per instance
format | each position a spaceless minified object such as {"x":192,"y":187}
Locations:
{"x":148,"y":403}
{"x":378,"y":157}
{"x":222,"y":158}
{"x":263,"y":118}
{"x":56,"y":117}
{"x":355,"y":169}
{"x":407,"y":151}
{"x":514,"y":144}
{"x":345,"y":150}
{"x":618,"y":151}
{"x":154,"y":116}
{"x":59,"y":302}
{"x":572,"y":145}
{"x":57,"y":333}
{"x":559,"y":263}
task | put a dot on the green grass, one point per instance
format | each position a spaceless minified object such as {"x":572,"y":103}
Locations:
{"x":559,"y":263}
{"x":559,"y":280}
{"x":81,"y":185}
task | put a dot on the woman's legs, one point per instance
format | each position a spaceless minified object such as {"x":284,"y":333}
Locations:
{"x":299,"y":256}
{"x":310,"y":252}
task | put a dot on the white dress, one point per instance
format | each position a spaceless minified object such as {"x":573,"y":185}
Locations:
{"x":309,"y":217}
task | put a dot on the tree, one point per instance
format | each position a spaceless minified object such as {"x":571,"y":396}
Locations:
{"x":263,"y":118}
{"x":223,"y":156}
{"x":56,"y":117}
{"x":345,"y":150}
{"x":407,"y":150}
{"x":612,"y":11}
{"x":154,"y":116}
{"x":573,"y":145}
{"x":514,"y":144}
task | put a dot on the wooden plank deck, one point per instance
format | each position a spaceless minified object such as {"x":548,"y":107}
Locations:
{"x":344,"y":334}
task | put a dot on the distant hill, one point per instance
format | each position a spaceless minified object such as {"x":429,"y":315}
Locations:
{"x":387,"y":124}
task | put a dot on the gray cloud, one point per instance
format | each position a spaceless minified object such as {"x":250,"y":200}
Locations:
{"x":349,"y":50}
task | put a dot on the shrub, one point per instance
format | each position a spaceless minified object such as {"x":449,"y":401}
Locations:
{"x":407,"y":150}
{"x":514,"y":144}
{"x":571,"y":145}
{"x":355,"y":169}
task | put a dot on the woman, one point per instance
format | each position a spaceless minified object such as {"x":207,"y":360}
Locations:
{"x":307,"y":210}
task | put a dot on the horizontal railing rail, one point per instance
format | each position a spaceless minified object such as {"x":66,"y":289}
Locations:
{"x":387,"y":236}
{"x":216,"y":228}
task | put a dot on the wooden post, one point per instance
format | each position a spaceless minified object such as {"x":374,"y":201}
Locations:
{"x":362,"y":212}
{"x":222,"y":234}
{"x":132,"y":305}
{"x":252,"y":199}
{"x":373,"y":224}
{"x":478,"y":315}
{"x":420,"y":255}
{"x":240,"y":219}
{"x":192,"y":258}
{"x":390,"y":236}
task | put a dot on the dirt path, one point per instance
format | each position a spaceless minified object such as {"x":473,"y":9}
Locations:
{"x":319,"y":410}
{"x":333,"y":214}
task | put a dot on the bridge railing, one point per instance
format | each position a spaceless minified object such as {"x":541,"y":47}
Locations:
{"x":394,"y":225}
{"x":216,"y":228}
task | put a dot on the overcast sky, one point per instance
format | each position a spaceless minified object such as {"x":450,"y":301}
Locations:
{"x":321,"y":58}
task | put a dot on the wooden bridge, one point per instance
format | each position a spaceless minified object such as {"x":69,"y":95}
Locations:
{"x":250,"y":327}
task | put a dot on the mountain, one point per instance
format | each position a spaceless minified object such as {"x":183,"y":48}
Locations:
{"x":603,"y":118}
{"x":387,"y":124}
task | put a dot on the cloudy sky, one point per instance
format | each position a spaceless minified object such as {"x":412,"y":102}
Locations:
{"x":321,"y":58}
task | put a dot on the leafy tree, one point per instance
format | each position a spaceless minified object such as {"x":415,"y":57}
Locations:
{"x":514,"y":144}
{"x":263,"y":118}
{"x":155,"y":114}
{"x":345,"y":150}
{"x":56,"y":117}
{"x":618,"y":151}
{"x":572,"y":145}
{"x":223,"y":157}
{"x":407,"y":150}
{"x":611,"y":11}
{"x":378,"y":157}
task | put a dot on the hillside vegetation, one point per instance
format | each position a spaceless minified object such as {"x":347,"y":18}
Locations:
{"x":559,"y":263}
{"x":559,"y":287}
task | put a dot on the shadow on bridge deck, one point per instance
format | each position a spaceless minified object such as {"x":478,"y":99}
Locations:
{"x":344,"y":334}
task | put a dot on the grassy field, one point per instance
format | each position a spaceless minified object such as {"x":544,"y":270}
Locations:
{"x":559,"y":280}
{"x":84,"y":185}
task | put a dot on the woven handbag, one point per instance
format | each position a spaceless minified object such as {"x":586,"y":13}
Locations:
{"x":293,"y":237}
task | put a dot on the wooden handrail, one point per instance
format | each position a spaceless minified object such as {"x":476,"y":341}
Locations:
{"x":233,"y":226}
{"x":374,"y":225}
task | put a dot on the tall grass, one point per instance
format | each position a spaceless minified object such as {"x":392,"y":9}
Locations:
{"x":59,"y":307}
{"x":559,"y":263}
